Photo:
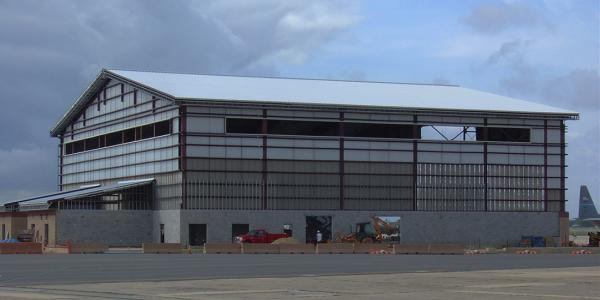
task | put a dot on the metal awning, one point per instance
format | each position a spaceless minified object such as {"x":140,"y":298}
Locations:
{"x":44,"y":202}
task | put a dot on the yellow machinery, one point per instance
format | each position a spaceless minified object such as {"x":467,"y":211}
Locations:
{"x":375,"y":231}
{"x":594,"y":239}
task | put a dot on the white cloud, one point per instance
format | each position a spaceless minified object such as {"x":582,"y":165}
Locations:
{"x":24,"y":172}
{"x":493,"y":18}
{"x":49,"y":52}
{"x":468,"y":46}
{"x":281,"y":30}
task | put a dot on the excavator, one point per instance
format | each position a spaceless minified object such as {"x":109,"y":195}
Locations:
{"x":375,"y":231}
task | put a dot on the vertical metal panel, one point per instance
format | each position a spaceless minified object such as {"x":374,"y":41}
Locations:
{"x":205,"y":124}
{"x":493,"y":181}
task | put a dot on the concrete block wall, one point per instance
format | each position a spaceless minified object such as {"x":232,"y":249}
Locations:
{"x":469,"y":228}
{"x":131,"y":228}
{"x":115,"y":228}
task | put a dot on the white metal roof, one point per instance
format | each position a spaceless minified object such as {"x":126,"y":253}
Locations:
{"x":332,"y":92}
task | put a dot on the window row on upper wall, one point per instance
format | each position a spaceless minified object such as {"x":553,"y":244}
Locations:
{"x":321,"y":128}
{"x":121,"y":137}
{"x":363,"y":130}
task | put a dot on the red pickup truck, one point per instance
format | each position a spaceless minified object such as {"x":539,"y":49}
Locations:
{"x":259,"y":236}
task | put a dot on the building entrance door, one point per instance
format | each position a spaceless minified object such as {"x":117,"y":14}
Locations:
{"x":197,"y":234}
{"x":239,"y":229}
{"x":318,"y":224}
{"x":46,"y":234}
{"x":162,"y":233}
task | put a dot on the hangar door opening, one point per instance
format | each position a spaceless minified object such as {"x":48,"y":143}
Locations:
{"x":197,"y":234}
{"x":318,"y":224}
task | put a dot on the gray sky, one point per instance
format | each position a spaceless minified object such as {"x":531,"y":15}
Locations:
{"x":543,"y":51}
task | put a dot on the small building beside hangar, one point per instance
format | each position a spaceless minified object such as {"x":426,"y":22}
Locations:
{"x":187,"y":158}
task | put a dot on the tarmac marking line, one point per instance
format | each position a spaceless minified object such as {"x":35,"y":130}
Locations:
{"x":510,"y":285}
{"x":527,"y":295}
{"x":29,"y":295}
{"x":225,"y":292}
{"x":53,"y":293}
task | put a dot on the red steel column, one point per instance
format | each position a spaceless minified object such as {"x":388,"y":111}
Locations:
{"x":61,"y":154}
{"x":545,"y":165}
{"x":183,"y":154}
{"x":122,"y":92}
{"x":415,"y":160}
{"x":341,"y":170}
{"x":485,"y":163}
{"x":264,"y":159}
{"x":562,"y":166}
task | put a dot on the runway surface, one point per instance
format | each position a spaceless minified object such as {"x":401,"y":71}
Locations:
{"x":19,"y":270}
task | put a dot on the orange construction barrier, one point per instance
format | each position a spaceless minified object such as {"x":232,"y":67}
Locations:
{"x":21,"y":248}
{"x":579,"y":252}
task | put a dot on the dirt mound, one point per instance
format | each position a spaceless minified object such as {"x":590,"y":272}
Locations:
{"x":288,"y":240}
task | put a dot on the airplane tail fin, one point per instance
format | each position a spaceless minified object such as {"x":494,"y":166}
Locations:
{"x":587,"y":209}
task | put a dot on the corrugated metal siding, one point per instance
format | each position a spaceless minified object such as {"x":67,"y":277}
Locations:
{"x":151,"y":156}
{"x":225,"y":170}
{"x":378,"y":186}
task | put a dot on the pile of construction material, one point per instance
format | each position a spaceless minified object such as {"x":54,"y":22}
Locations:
{"x":536,"y":241}
{"x":286,"y":241}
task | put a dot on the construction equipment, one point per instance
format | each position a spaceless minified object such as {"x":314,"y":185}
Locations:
{"x":594,"y":239}
{"x":375,"y":231}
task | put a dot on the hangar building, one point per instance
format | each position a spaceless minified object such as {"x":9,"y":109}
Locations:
{"x":185,"y":158}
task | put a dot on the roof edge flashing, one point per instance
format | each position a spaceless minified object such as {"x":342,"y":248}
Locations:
{"x":136,"y":181}
{"x":139,"y":84}
{"x":569,"y":114}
